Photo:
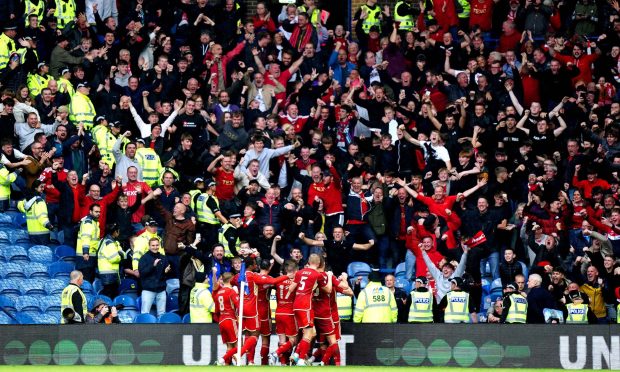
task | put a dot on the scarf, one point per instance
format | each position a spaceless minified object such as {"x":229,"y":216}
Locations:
{"x":301,"y":36}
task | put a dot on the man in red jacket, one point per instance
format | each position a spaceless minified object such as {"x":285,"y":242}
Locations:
{"x":329,"y":191}
{"x":94,"y":196}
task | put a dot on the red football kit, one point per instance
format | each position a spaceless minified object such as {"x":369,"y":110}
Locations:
{"x":285,"y":315}
{"x":306,"y":280}
{"x":250,"y":303}
{"x":264,"y":311}
{"x":226,"y":305}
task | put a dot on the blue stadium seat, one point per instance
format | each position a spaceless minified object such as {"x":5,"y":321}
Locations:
{"x":17,"y":254}
{"x":12,"y":270}
{"x":2,"y":258}
{"x":486,"y":303}
{"x":18,"y":220}
{"x":55,"y":286}
{"x":60,"y":269}
{"x":403,"y":284}
{"x":50,"y":304}
{"x":128,"y":286}
{"x":186,"y":318}
{"x":97,"y":286}
{"x":65,"y":253}
{"x":6,"y":319}
{"x":127,"y":301}
{"x":87,"y":288}
{"x":400,"y":270}
{"x":127,"y":316}
{"x":7,"y":303}
{"x":364,"y":282}
{"x":170,"y":318}
{"x":9,"y":286}
{"x":47,"y":319}
{"x":172,"y":303}
{"x":19,"y":237}
{"x":145,"y":318}
{"x":36,"y":270}
{"x":32,"y":287}
{"x":486,"y":287}
{"x":356,"y":269}
{"x":5,"y":220}
{"x":487,"y":270}
{"x":4,"y":237}
{"x":41,"y":253}
{"x":24,"y":318}
{"x":497,"y":283}
{"x":25,"y":303}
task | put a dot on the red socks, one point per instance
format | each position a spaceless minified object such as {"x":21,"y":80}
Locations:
{"x":318,"y":353}
{"x":332,"y":350}
{"x":303,"y":348}
{"x":264,"y":355}
{"x":229,"y":354}
{"x":249,"y":347}
{"x":284,"y":348}
{"x":336,"y":354}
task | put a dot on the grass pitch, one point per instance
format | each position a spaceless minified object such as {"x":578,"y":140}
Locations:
{"x":143,"y":368}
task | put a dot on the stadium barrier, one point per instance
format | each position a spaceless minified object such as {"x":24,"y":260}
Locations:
{"x":480,"y":346}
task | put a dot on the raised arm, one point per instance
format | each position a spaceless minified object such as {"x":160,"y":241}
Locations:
{"x":274,"y":254}
{"x":211,"y":166}
{"x":408,"y":137}
{"x":521,"y":123}
{"x":308,"y":241}
{"x":557,"y":131}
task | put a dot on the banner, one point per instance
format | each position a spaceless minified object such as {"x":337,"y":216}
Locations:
{"x":462,"y":345}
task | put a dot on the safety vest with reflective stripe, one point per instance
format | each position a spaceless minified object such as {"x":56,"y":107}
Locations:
{"x":372,"y":19}
{"x":149,"y":162}
{"x":6,"y":179}
{"x":109,"y":256}
{"x":428,"y":15}
{"x":518,"y":309}
{"x":141,"y":246}
{"x":406,"y":23}
{"x":105,"y":142}
{"x":222,"y":240}
{"x":192,"y":195}
{"x":458,"y":307}
{"x":36,"y":83}
{"x":375,"y":304}
{"x":7,"y":46}
{"x":65,"y":12}
{"x":36,"y":215}
{"x":31,"y":8}
{"x":315,"y":17}
{"x":205,"y":214}
{"x":345,"y":308}
{"x":463,"y":8}
{"x":65,"y":86}
{"x":421,"y":310}
{"x":577,"y":314}
{"x":273,"y":304}
{"x":81,"y":110}
{"x":88,"y":237}
{"x":201,"y":304}
{"x":160,"y":180}
{"x":65,"y":302}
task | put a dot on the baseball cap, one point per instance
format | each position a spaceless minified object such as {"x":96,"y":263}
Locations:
{"x":65,"y":70}
{"x":82,"y":85}
{"x":41,"y":64}
{"x":211,"y":183}
{"x":99,"y":119}
{"x":10,"y":25}
{"x":422,"y":280}
{"x":140,"y":140}
{"x":198,"y":179}
{"x":511,"y":285}
{"x":234,"y":215}
{"x":458,"y":281}
{"x":575,"y":295}
{"x":151,"y":223}
{"x":115,"y":124}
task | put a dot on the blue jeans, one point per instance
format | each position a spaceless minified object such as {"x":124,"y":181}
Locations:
{"x":149,"y":297}
{"x":410,"y":261}
{"x":363,"y":231}
{"x":388,"y":254}
{"x":493,"y":260}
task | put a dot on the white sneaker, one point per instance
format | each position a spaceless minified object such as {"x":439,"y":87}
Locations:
{"x":273,"y":359}
{"x":321,"y":363}
{"x":220,"y":362}
{"x":301,"y":363}
{"x":235,"y":362}
{"x":310,"y":360}
{"x":294,"y":358}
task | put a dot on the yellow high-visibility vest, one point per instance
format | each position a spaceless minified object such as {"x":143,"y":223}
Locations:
{"x":65,"y":302}
{"x":375,"y":304}
{"x":406,"y":23}
{"x":421,"y":310}
{"x":577,"y":314}
{"x":7,"y":47}
{"x":458,"y":307}
{"x":6,"y":179}
{"x":65,"y":12}
{"x":141,"y":246}
{"x":109,"y":256}
{"x":149,"y":162}
{"x":88,"y":236}
{"x":37,"y":219}
{"x":222,"y":240}
{"x":201,"y":304}
{"x":31,"y":8}
{"x":205,"y":214}
{"x":81,"y":110}
{"x":518,"y":310}
{"x":345,"y":306}
{"x":372,"y":19}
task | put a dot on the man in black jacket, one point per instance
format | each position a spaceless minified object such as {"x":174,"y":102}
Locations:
{"x":153,"y":267}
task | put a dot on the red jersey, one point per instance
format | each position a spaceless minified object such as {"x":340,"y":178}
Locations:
{"x":298,"y":122}
{"x":52,"y":195}
{"x":225,"y":184}
{"x":253,"y":281}
{"x":481,"y":14}
{"x":132,"y":196}
{"x":226,"y":303}
{"x":321,"y":301}
{"x":306,"y":279}
{"x":262,"y":299}
{"x":285,"y":305}
{"x":330,"y":194}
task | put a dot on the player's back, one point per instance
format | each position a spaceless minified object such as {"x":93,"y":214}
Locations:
{"x":285,"y":305}
{"x":306,"y":280}
{"x":226,"y":303}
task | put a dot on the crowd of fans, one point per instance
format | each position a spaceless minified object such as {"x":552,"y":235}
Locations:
{"x":130,"y":128}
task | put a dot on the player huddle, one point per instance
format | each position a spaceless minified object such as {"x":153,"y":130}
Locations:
{"x":306,"y":310}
